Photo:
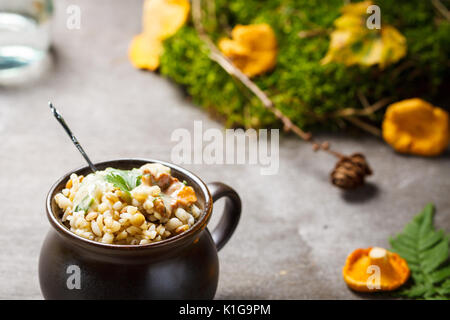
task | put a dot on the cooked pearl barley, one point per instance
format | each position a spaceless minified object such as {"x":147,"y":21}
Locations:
{"x":150,"y":234}
{"x":115,"y":226}
{"x":62,"y":201}
{"x":137,"y":219}
{"x":83,"y":224}
{"x":117,"y":206}
{"x":91,"y":216}
{"x":160,"y":229}
{"x":112,"y":197}
{"x":102,"y":207}
{"x":84,"y":234}
{"x":122,"y":235}
{"x":181,"y":229}
{"x":107,"y":214}
{"x":173,"y":224}
{"x":181,"y":214}
{"x":95,"y":228}
{"x":141,"y":192}
{"x":66,"y":214}
{"x":164,"y":220}
{"x":107,"y":238}
{"x":125,"y":223}
{"x":114,"y":218}
{"x":108,"y":222}
{"x":157,"y":215}
{"x":132,"y":209}
{"x":133,"y":230}
{"x":148,"y":205}
{"x":144,"y":226}
{"x":100,"y":222}
{"x":195,"y":211}
{"x":126,"y":215}
{"x":75,"y":181}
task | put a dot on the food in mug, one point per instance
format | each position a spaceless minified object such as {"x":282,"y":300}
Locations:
{"x":137,"y":206}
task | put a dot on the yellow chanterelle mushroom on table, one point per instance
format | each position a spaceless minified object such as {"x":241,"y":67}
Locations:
{"x":375,"y":269}
{"x":415,"y":126}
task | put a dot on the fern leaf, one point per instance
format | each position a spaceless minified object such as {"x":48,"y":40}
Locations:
{"x":434,"y":257}
{"x":414,"y":291}
{"x":427,"y":253}
{"x":430,"y":239}
{"x":444,"y":288}
{"x":407,"y":252}
{"x":440,"y":275}
{"x":446,"y":284}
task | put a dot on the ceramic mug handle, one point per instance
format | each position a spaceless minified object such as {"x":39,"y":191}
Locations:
{"x":231,"y":213}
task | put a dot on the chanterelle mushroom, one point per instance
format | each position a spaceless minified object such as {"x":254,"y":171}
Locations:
{"x":375,"y":269}
{"x":253,"y":48}
{"x":417,"y":127}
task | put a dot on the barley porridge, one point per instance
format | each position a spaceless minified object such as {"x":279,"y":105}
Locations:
{"x":137,"y":206}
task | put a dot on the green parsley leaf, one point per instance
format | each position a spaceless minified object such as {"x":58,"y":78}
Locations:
{"x":125,"y":180}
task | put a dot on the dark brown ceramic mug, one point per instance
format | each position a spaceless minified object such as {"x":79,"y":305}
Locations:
{"x":185,"y":266}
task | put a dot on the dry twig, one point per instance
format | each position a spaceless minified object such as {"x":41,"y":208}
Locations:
{"x":441,"y":8}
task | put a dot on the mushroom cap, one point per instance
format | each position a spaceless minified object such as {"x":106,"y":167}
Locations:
{"x":417,"y":127}
{"x":362,"y":265}
{"x":163,"y":18}
{"x":252,"y":48}
{"x":160,"y":20}
{"x":144,"y":52}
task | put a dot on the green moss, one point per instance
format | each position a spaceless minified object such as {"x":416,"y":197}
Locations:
{"x":302,"y":88}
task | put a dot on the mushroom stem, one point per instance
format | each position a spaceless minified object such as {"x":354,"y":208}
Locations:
{"x":378,"y":256}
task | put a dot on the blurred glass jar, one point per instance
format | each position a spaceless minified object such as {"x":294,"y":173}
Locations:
{"x":24,"y":34}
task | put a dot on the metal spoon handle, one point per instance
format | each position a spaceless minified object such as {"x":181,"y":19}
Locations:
{"x":71,"y":135}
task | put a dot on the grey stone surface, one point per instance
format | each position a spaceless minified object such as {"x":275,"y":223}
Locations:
{"x":296,"y":229}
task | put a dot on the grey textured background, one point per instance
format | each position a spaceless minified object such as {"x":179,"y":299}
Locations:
{"x":296,"y":229}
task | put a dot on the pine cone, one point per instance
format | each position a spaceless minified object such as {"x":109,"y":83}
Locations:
{"x":349,"y":172}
